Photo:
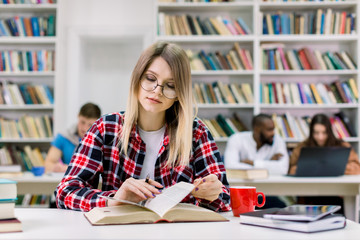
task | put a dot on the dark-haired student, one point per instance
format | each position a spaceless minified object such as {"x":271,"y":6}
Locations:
{"x":321,"y":135}
{"x":157,"y":135}
{"x":63,"y":146}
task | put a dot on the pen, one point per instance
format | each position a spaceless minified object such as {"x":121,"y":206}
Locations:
{"x":147,"y":178}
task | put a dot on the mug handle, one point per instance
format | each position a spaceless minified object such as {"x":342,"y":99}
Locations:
{"x":263,"y":201}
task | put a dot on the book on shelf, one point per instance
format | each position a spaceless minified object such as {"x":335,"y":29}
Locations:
{"x":319,"y":21}
{"x":185,"y":24}
{"x":304,"y":58}
{"x":329,"y":222}
{"x":165,"y":207}
{"x":251,"y":173}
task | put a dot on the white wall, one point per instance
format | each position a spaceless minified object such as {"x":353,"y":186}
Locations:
{"x":99,"y":42}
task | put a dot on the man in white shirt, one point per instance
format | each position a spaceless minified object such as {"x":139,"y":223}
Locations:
{"x":261,"y":148}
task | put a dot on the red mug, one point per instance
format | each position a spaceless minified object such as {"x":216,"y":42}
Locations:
{"x":244,"y":199}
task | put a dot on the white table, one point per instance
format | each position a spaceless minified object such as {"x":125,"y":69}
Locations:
{"x":67,"y":224}
{"x":346,"y":186}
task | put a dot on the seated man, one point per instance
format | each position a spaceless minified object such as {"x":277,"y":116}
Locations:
{"x":261,"y":148}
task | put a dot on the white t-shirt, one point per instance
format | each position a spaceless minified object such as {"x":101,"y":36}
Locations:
{"x":243,"y":146}
{"x":153,"y":141}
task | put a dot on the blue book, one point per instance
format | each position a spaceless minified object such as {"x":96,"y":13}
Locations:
{"x":347,"y":93}
{"x":26,"y":95}
{"x":49,"y":94}
{"x":261,"y":93}
{"x":276,"y":23}
{"x":265,"y":26}
{"x":35,"y":26}
{"x":243,"y":25}
{"x":2,"y":29}
{"x":271,"y":59}
{"x":301,"y":93}
{"x":29,"y":59}
{"x":40,"y":61}
{"x":322,"y":23}
{"x":215,"y":61}
{"x":284,"y":24}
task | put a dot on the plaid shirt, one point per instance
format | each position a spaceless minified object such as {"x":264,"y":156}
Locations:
{"x":98,"y":154}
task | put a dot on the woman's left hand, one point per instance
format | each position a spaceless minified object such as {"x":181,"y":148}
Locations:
{"x":207,"y":188}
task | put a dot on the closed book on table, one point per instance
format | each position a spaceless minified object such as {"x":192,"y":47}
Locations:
{"x":7,"y":190}
{"x":253,"y":173}
{"x":329,"y":222}
{"x":10,"y":225}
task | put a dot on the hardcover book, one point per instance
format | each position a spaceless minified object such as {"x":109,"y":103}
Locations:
{"x":329,"y":222}
{"x":165,"y":207}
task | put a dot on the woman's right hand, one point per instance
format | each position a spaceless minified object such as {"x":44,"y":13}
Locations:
{"x":136,"y":190}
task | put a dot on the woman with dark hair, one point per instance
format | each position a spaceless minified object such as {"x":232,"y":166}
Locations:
{"x":321,"y":135}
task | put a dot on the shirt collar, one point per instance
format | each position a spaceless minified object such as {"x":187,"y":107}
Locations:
{"x":136,"y":135}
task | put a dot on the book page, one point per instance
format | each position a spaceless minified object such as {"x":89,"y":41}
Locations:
{"x":169,"y":198}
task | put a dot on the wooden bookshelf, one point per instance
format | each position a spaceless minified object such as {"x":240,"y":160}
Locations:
{"x":252,"y":11}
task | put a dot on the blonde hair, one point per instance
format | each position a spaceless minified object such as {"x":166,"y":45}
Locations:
{"x":179,"y":117}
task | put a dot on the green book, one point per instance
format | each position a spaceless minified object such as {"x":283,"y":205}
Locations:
{"x":224,"y":125}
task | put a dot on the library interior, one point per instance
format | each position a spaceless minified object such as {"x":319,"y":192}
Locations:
{"x":220,"y":116}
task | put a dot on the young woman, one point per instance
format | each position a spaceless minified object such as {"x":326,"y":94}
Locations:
{"x":321,"y":135}
{"x":156,"y":136}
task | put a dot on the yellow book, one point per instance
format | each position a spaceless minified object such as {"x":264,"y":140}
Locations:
{"x":165,"y":207}
{"x":354,"y":88}
{"x":316,"y":94}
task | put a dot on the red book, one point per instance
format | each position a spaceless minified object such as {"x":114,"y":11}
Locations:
{"x":10,"y":225}
{"x":275,"y":92}
{"x":304,"y":62}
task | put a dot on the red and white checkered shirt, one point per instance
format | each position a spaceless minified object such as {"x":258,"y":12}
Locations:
{"x":98,"y":155}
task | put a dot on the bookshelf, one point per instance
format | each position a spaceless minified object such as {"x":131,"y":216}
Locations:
{"x":40,"y":71}
{"x":252,"y":12}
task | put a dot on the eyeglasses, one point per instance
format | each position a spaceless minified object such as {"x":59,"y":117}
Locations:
{"x":149,"y":84}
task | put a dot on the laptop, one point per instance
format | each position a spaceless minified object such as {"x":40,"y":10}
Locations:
{"x":322,"y":161}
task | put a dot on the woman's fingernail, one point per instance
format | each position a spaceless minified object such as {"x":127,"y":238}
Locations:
{"x":204,"y":180}
{"x":153,"y":195}
{"x":196,"y":189}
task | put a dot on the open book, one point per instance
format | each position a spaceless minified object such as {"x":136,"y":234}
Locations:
{"x":165,"y":207}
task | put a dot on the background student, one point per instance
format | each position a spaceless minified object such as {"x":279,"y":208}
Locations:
{"x":261,"y":148}
{"x":63,"y":146}
{"x":321,"y":135}
{"x":157,"y":136}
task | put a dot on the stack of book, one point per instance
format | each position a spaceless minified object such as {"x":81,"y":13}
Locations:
{"x":8,"y":221}
{"x":299,"y":218}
